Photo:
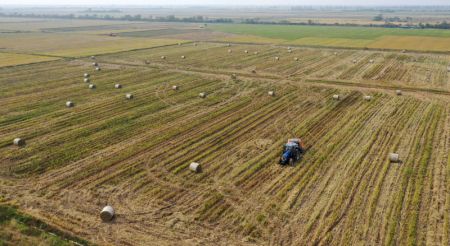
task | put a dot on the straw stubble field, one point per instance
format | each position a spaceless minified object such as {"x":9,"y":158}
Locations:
{"x":134,"y":154}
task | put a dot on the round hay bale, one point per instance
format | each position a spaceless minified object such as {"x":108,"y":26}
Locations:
{"x":289,"y":51}
{"x":367,"y":98}
{"x":277,"y":58}
{"x":93,"y":57}
{"x":448,"y":69}
{"x":354,"y":61}
{"x":98,"y":69}
{"x":174,"y":87}
{"x":271,"y":93}
{"x":70,"y":104}
{"x":202,"y":94}
{"x":163,"y":57}
{"x":94,"y":64}
{"x":335,"y":53}
{"x":118,"y":86}
{"x":296,"y":59}
{"x":246,"y":51}
{"x":371,"y":61}
{"x":394,"y":157}
{"x":256,"y":52}
{"x":183,"y":57}
{"x":195,"y":167}
{"x":87,"y":80}
{"x":107,"y":214}
{"x":230,"y":51}
{"x":129,"y":96}
{"x":403,"y":51}
{"x":92,"y":86}
{"x":19,"y":142}
{"x":86,"y":75}
{"x":228,"y":45}
{"x":398,"y":92}
{"x":289,"y":48}
{"x":336,"y":97}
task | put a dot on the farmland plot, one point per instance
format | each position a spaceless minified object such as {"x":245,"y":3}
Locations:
{"x":134,"y":154}
{"x":369,"y":67}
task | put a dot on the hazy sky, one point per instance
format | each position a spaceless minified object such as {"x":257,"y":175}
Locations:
{"x":228,"y":2}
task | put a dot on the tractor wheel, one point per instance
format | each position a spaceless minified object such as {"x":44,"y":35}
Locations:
{"x":291,"y":161}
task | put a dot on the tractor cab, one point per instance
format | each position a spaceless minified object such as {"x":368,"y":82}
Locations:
{"x":292,"y":151}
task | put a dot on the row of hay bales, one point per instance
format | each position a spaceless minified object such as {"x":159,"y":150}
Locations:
{"x":366,"y":97}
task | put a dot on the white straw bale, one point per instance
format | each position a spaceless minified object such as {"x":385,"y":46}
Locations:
{"x":367,"y":98}
{"x":94,"y":64}
{"x":230,"y":51}
{"x":202,"y":94}
{"x":118,"y":86}
{"x":69,"y":104}
{"x":394,"y":157}
{"x":371,"y":61}
{"x":175,"y":87}
{"x":195,"y":167}
{"x":336,"y":97}
{"x":296,"y":59}
{"x":129,"y":96}
{"x":163,"y":57}
{"x":246,"y":51}
{"x":271,"y":93}
{"x":92,"y":57}
{"x":92,"y":86}
{"x":98,"y":69}
{"x":289,"y":51}
{"x":107,"y":213}
{"x":398,"y":92}
{"x":87,"y":80}
{"x":19,"y":142}
{"x":354,"y":61}
{"x":86,"y":75}
{"x":277,"y":58}
{"x":183,"y":57}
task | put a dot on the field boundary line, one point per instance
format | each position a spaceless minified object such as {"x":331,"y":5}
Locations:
{"x":374,"y":86}
{"x":284,"y":45}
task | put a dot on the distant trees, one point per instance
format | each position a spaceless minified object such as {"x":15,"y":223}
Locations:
{"x":127,"y":17}
{"x":391,"y":22}
{"x":378,"y":17}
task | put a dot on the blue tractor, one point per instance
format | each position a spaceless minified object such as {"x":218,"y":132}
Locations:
{"x":292,"y":151}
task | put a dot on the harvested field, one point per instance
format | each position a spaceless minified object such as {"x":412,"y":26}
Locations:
{"x":135,"y":154}
{"x":428,"y":71}
{"x":75,"y":45}
{"x":11,"y":59}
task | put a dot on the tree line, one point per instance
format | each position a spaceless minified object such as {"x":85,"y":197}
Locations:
{"x":202,"y":19}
